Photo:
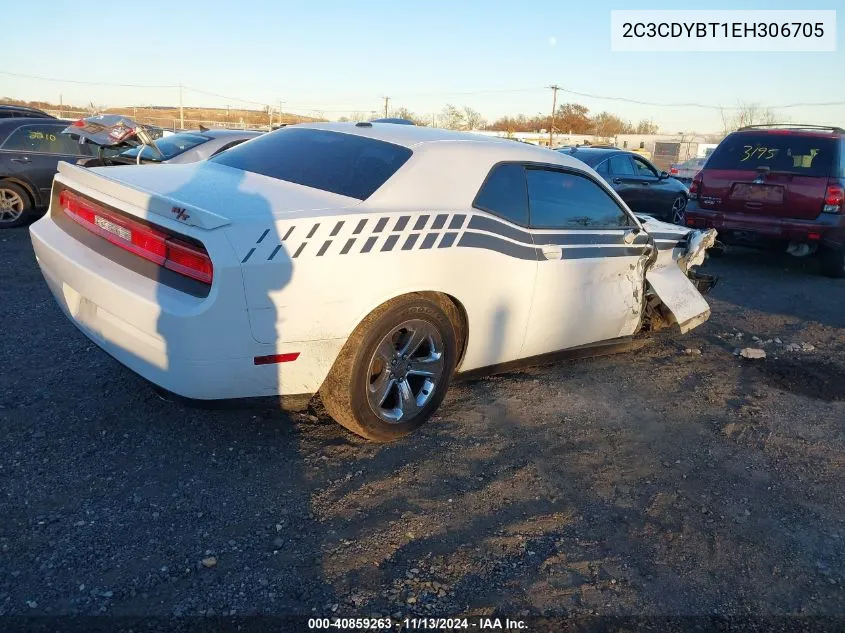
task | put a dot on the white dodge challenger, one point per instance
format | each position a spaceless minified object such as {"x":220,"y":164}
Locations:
{"x":368,"y":262}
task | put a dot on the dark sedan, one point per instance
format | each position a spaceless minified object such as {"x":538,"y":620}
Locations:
{"x":30,"y":151}
{"x":638,"y":182}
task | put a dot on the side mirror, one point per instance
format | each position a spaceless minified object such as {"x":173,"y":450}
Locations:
{"x":664,"y":175}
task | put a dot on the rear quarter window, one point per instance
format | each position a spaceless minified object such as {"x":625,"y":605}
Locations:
{"x":346,"y":164}
{"x":785,"y":153}
{"x":505,"y":193}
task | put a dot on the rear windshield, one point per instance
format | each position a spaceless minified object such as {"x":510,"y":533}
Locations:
{"x":784,"y":153}
{"x":345,"y":164}
{"x":170,"y":146}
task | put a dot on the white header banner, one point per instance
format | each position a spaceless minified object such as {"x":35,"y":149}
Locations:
{"x":719,"y":31}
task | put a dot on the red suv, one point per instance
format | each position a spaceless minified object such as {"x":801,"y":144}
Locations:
{"x":776,"y":186}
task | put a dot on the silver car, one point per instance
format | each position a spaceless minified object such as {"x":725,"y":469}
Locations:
{"x":189,"y":147}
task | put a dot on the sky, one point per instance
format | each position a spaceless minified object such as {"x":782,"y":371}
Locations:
{"x":335,"y":57}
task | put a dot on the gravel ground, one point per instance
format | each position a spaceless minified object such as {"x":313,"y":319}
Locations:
{"x":655,"y":482}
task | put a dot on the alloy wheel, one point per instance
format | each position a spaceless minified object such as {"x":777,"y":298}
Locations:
{"x":404,"y":371}
{"x":679,"y":208}
{"x":11,"y":206}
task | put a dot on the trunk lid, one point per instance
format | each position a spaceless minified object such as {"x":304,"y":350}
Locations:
{"x":205,"y":195}
{"x":781,"y":195}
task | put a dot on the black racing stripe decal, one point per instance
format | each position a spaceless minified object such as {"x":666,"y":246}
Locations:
{"x":287,"y":235}
{"x":360,"y":227}
{"x":263,"y":235}
{"x":439,"y":222}
{"x":273,"y":254}
{"x":668,"y":236}
{"x":572,"y":239}
{"x":667,"y":244}
{"x":380,"y":225}
{"x":481,"y":223}
{"x":421,"y":220}
{"x":389,"y":243}
{"x":368,"y":245}
{"x":457,"y":221}
{"x":409,"y":243}
{"x":336,"y":228}
{"x":490,"y":243}
{"x":401,"y":223}
{"x":347,"y":246}
{"x":313,"y":230}
{"x":599,"y":251}
{"x":429,"y":239}
{"x":299,"y":250}
{"x":248,"y":255}
{"x":448,"y":240}
{"x":324,"y":248}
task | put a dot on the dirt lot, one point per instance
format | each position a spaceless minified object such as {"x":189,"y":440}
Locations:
{"x":656,"y":482}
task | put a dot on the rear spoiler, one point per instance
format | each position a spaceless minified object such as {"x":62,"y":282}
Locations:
{"x":149,"y":201}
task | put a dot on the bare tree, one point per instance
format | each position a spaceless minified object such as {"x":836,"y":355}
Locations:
{"x":454,"y":118}
{"x":747,"y":114}
{"x":405,"y":113}
{"x":647,"y":127}
{"x":358,"y":116}
{"x":451,"y":118}
{"x":473,"y":119}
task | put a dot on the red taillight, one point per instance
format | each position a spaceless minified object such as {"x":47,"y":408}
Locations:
{"x":152,"y":244}
{"x":695,"y":185}
{"x":673,"y":170}
{"x":834,"y":198}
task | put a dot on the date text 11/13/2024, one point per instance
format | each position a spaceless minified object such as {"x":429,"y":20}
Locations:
{"x":414,"y":624}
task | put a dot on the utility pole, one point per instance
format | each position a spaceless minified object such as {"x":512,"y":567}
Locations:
{"x":61,"y":107}
{"x":280,"y":111}
{"x":227,"y":113}
{"x":181,"y":109}
{"x":554,"y":88}
{"x":386,"y":101}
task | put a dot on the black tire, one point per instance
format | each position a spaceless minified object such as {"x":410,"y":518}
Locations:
{"x":21,"y":212}
{"x":345,"y":391}
{"x":833,"y":261}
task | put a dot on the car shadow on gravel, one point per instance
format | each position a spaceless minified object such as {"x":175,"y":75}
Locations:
{"x":754,"y":280}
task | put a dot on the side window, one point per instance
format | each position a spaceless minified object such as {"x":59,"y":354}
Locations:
{"x":42,"y":138}
{"x":504,"y":194}
{"x":603,"y":169}
{"x":563,"y":200}
{"x":643,"y":168}
{"x":621,"y":165}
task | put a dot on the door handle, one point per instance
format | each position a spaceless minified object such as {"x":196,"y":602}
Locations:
{"x":644,"y":183}
{"x":552,"y":251}
{"x":617,"y":181}
{"x":630,"y":235}
{"x":20,"y":159}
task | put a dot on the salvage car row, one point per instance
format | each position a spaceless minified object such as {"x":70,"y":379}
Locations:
{"x":372,"y":262}
{"x":31,"y":149}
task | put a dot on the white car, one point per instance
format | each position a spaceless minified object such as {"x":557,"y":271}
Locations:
{"x":368,"y":262}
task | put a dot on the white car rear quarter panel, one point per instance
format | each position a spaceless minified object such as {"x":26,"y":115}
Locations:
{"x":317,"y":278}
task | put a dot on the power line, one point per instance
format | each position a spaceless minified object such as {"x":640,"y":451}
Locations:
{"x":86,"y":83}
{"x":698,"y":105}
{"x":432,"y":94}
